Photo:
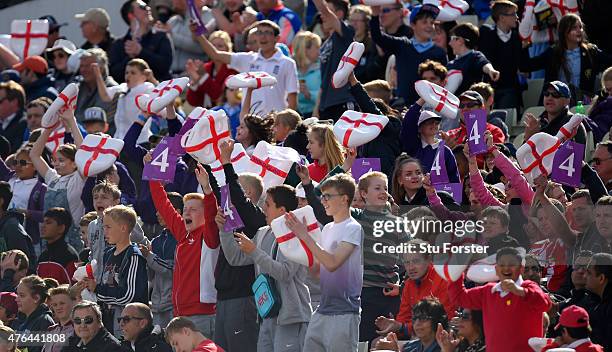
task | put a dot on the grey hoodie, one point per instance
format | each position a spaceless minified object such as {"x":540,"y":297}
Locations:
{"x":97,"y":243}
{"x":290,"y":277}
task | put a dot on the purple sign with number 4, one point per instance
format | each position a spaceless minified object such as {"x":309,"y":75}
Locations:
{"x":476,"y":124}
{"x":232,"y":219}
{"x":438,"y":174}
{"x":567,"y":164}
{"x":163,"y":163}
{"x":362,"y":166}
{"x":454,"y":189}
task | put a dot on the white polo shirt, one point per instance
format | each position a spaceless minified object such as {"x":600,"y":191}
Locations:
{"x":267,"y":99}
{"x":127,"y":112}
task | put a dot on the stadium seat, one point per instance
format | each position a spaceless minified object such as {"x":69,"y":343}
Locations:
{"x":535,"y":110}
{"x":362,"y":347}
{"x":518,"y":140}
{"x":510,"y":116}
{"x":473,"y":19}
{"x":531,"y":97}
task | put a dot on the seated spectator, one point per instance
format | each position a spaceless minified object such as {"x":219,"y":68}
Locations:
{"x":287,"y":20}
{"x":33,"y":71}
{"x":556,"y":113}
{"x":306,"y":47}
{"x":58,"y":55}
{"x":88,"y":89}
{"x":12,"y":233}
{"x":58,"y":259}
{"x":32,"y":293}
{"x":141,"y":42}
{"x":496,"y":227}
{"x":95,"y":24}
{"x":7,"y":339}
{"x":183,"y":335}
{"x":601,"y":108}
{"x":89,"y":331}
{"x":208,"y":79}
{"x":13,"y":123}
{"x":34,"y":113}
{"x":470,"y":333}
{"x":61,"y":303}
{"x":84,"y":224}
{"x":139,"y":334}
{"x":575,"y":330}
{"x":8,"y":308}
{"x":325,"y":151}
{"x":284,"y":122}
{"x":14,"y":266}
{"x":95,"y":120}
{"x":598,"y":281}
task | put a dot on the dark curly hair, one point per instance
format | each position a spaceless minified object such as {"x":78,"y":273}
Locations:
{"x":298,"y":139}
{"x":431,"y":307}
{"x":260,"y":128}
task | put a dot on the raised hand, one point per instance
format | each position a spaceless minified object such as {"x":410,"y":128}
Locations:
{"x":226,"y":148}
{"x":303,"y":174}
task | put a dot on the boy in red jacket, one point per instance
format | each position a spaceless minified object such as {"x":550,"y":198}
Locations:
{"x":575,"y":330}
{"x":183,"y":336}
{"x":193,"y":284}
{"x":511,"y":302}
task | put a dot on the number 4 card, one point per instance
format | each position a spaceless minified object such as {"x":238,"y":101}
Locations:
{"x":476,"y":124}
{"x":567,"y":164}
{"x":163,"y":165}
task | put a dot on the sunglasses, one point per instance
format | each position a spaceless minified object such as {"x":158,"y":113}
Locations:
{"x":389,"y":9}
{"x":598,"y":161}
{"x":126,"y":319}
{"x":555,"y":95}
{"x":327,"y":196}
{"x":86,"y":321}
{"x":21,"y":162}
{"x":469,"y":105}
{"x":60,"y":55}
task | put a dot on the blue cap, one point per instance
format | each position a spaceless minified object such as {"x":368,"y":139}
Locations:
{"x":430,"y":8}
{"x":10,"y":75}
{"x":560,"y":87}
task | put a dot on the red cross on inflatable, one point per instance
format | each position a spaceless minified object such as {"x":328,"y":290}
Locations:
{"x":28,"y":36}
{"x":357,"y":123}
{"x":289,"y":236}
{"x":55,"y":138}
{"x":257,"y":77}
{"x":233,"y":160}
{"x":214,"y":139}
{"x":445,"y":3}
{"x":266,"y":166}
{"x":539,"y":159}
{"x":168,"y":87}
{"x":97,"y":150}
{"x":443,"y":99}
{"x":68,"y":102}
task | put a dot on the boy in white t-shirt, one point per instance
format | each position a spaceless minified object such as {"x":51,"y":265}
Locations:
{"x":339,"y":261}
{"x":138,"y":78}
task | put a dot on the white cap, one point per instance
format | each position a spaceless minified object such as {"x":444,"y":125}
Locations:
{"x":428,"y":115}
{"x":63,"y":44}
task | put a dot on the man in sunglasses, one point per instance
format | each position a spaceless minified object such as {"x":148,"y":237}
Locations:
{"x":89,"y":332}
{"x":139,"y":334}
{"x":556,"y":113}
{"x":392,"y":21}
{"x":602,"y":157}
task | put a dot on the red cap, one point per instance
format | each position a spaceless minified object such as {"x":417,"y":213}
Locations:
{"x":573,"y":317}
{"x":34,"y":63}
{"x":8,"y":301}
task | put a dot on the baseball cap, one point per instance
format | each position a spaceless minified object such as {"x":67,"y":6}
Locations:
{"x":430,"y":8}
{"x":53,"y":25}
{"x":94,"y":114}
{"x":472,"y":95}
{"x":8,"y":301}
{"x":428,"y":115}
{"x":560,"y":87}
{"x":63,"y":44}
{"x":573,"y":317}
{"x":10,"y":75}
{"x":34,"y":63}
{"x":95,"y":15}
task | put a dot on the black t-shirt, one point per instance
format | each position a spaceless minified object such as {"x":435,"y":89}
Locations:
{"x":110,"y":274}
{"x":331,"y":53}
{"x":470,"y":65}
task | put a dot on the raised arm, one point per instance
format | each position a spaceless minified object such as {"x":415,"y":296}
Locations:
{"x":246,"y":104}
{"x":101,"y":84}
{"x":409,"y":132}
{"x":212,"y":52}
{"x":36,"y":153}
{"x":72,"y":126}
{"x":362,"y":97}
{"x":328,"y":17}
{"x":556,"y":218}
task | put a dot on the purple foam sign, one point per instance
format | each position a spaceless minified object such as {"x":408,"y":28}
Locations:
{"x":438,"y":174}
{"x":454,"y":189}
{"x":362,"y":166}
{"x":194,"y":13}
{"x":163,"y":163}
{"x":232,"y":219}
{"x":476,"y":124}
{"x":567,"y":164}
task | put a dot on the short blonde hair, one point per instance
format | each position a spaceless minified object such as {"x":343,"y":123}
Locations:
{"x":123,"y":215}
{"x":301,"y":42}
{"x":253,"y":180}
{"x":288,"y":117}
{"x":365,"y":179}
{"x":223,"y":36}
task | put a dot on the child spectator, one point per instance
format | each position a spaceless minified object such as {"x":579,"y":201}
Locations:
{"x":253,"y":129}
{"x":8,"y":308}
{"x":106,"y":195}
{"x":252,"y":185}
{"x":61,"y":306}
{"x":510,"y":302}
{"x":289,"y":326}
{"x":379,"y":89}
{"x":124,"y":276}
{"x":12,"y":233}
{"x":32,"y":293}
{"x":160,"y":261}
{"x":335,"y":324}
{"x":232,"y":108}
{"x":575,"y":330}
{"x":421,"y":282}
{"x":285,"y":121}
{"x":95,"y":120}
{"x":138,"y":78}
{"x":58,"y":259}
{"x":64,"y":181}
{"x":306,"y":47}
{"x":197,"y":250}
{"x":14,"y":265}
{"x":183,"y":335}
{"x":84,"y":225}
{"x":325,"y":151}
{"x":407,"y":183}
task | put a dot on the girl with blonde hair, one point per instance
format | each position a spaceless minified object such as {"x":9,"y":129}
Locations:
{"x":306,"y":47}
{"x":325,"y":151}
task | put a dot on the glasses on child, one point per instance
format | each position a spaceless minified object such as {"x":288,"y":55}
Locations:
{"x":22,"y":162}
{"x":86,"y":321}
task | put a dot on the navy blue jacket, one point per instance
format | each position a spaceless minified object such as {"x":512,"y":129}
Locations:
{"x":132,"y":282}
{"x":43,"y":87}
{"x":156,"y":51}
